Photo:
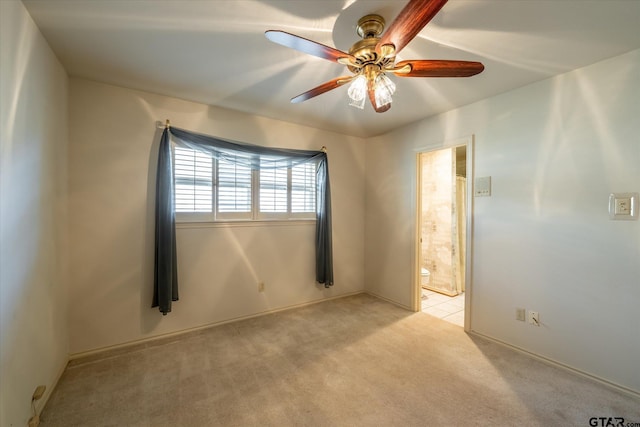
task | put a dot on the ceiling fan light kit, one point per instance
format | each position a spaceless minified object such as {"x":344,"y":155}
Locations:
{"x":371,"y":58}
{"x":384,"y":88}
{"x":358,"y":91}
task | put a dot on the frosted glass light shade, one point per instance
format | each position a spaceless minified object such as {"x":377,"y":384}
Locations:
{"x":358,"y":91}
{"x":383,"y":81}
{"x":384,"y":89}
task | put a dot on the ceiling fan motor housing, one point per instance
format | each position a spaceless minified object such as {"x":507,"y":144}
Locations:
{"x":370,"y":28}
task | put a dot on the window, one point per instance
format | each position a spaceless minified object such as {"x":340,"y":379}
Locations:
{"x":274,"y":186}
{"x":193,"y":181}
{"x":232,"y":195}
{"x":207,"y":189}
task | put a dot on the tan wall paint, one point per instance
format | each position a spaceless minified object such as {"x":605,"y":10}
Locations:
{"x":113,"y":154}
{"x":33,"y":238}
{"x":543,"y":240}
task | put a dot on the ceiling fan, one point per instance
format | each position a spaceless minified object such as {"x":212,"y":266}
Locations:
{"x":372,"y":57}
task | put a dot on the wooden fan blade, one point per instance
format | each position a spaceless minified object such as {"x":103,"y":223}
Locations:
{"x":438,"y":68}
{"x":415,"y":15}
{"x":372,"y":98}
{"x":325,"y":87}
{"x":307,"y":46}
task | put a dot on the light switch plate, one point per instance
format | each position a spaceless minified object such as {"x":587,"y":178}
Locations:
{"x":482,"y":186}
{"x":623,"y":206}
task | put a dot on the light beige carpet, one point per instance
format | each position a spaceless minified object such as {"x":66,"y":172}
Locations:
{"x":355,"y":361}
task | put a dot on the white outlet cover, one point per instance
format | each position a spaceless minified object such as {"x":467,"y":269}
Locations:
{"x":482,"y":186}
{"x":623,"y":206}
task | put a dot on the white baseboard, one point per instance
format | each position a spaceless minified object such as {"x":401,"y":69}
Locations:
{"x":40,"y":404}
{"x":390,"y":301}
{"x":110,"y":351}
{"x":546,"y":360}
{"x":557,"y":364}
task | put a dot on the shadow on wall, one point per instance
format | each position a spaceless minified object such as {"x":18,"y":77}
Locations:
{"x":148,"y":323}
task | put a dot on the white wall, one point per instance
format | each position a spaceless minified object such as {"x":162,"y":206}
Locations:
{"x":543,"y":240}
{"x":113,"y":155}
{"x":33,"y":252}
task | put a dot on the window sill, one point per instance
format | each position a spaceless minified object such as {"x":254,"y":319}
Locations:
{"x":247,"y":223}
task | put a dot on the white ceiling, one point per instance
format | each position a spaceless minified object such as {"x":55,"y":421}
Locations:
{"x":215,"y":52}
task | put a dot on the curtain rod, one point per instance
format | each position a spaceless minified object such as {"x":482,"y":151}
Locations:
{"x":167,"y":125}
{"x":164,"y":125}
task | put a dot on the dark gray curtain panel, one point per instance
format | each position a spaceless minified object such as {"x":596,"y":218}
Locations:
{"x":253,"y":156}
{"x":324,"y":251}
{"x":165,"y":278}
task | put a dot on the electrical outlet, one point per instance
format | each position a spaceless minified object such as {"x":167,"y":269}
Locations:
{"x":534,"y":318}
{"x":260,"y":286}
{"x":520,"y":314}
{"x":39,"y":392}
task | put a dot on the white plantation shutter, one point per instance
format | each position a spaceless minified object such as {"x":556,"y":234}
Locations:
{"x":208,"y":190}
{"x":234,"y":188}
{"x":193,"y":181}
{"x":303,"y":188}
{"x":273,"y":190}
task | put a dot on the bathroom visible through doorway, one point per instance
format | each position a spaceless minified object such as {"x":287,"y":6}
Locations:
{"x":442,"y":233}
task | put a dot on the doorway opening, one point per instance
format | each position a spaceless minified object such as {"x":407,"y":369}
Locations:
{"x":444,"y":186}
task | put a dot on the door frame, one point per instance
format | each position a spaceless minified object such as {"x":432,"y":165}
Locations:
{"x":468,"y":142}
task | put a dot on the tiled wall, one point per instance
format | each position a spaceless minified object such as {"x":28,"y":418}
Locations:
{"x":437,"y":191}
